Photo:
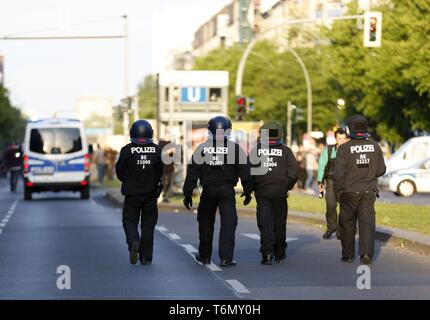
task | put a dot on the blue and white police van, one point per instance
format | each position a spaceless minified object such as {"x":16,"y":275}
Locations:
{"x":56,"y":157}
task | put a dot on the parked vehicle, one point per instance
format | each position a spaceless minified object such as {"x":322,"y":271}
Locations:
{"x":411,"y":152}
{"x":56,"y":157}
{"x":406,"y":182}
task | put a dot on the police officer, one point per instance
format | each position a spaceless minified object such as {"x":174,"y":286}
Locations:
{"x":217,"y":163}
{"x":325,"y":181}
{"x":139,"y":168}
{"x":359,"y":162}
{"x":271,"y":188}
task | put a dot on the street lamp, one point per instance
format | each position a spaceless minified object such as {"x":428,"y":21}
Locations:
{"x":340,"y":106}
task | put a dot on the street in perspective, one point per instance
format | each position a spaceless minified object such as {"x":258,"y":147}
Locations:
{"x":231,"y":151}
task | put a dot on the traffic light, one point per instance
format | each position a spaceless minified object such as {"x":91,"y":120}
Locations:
{"x":240,"y":107}
{"x":372,"y":29}
{"x":298,"y":114}
{"x":250,"y":104}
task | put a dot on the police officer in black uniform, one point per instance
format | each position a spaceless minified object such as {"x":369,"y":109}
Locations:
{"x":271,"y":191}
{"x":359,"y":162}
{"x":217,"y":163}
{"x":139,"y":168}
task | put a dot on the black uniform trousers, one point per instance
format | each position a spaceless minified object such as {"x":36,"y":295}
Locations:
{"x":331,"y":205}
{"x":14,"y":177}
{"x":143,"y":208}
{"x":272,"y":215}
{"x":222,"y":197}
{"x":357,"y":206}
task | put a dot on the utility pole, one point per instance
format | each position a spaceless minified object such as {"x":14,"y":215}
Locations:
{"x":94,"y":37}
{"x":290,"y":108}
{"x":126,"y":115}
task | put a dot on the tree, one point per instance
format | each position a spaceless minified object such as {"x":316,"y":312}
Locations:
{"x":389,"y":85}
{"x":274,"y":77}
{"x":148,"y":97}
{"x":12,"y":124}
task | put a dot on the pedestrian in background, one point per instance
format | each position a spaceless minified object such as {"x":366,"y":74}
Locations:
{"x":326,"y":183}
{"x":100,"y":160}
{"x":359,"y":162}
{"x":311,"y":164}
{"x":13,"y":160}
{"x":169,"y":169}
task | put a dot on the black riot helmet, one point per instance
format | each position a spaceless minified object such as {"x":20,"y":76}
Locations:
{"x":141,"y":132}
{"x":222,"y":124}
{"x":357,"y":127}
{"x":275,"y":132}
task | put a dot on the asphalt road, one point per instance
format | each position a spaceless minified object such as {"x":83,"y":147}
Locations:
{"x":60,"y":229}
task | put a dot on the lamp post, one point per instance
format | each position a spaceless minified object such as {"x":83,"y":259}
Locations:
{"x":340,"y":105}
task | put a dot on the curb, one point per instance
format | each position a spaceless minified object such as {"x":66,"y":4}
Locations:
{"x":400,"y":238}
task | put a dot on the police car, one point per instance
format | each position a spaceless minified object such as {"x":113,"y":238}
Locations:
{"x":56,"y":157}
{"x":406,"y":182}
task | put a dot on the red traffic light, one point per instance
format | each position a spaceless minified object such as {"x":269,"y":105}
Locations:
{"x":240,"y":101}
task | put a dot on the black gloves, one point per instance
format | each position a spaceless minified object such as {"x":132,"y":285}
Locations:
{"x":247,"y":200}
{"x":159,"y":188}
{"x":188,"y":202}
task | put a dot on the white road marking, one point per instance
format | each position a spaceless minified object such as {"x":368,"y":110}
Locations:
{"x":237,"y":286}
{"x":255,"y":236}
{"x":161,"y":228}
{"x":10,"y":212}
{"x":251,"y":236}
{"x":189,"y":248}
{"x":5,"y":220}
{"x":174,"y":236}
{"x":1,"y":230}
{"x":213,"y":267}
{"x":2,"y":225}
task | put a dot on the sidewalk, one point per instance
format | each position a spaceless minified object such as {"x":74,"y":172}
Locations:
{"x":404,"y":239}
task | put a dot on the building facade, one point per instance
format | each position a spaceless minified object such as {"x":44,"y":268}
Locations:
{"x":238,"y":21}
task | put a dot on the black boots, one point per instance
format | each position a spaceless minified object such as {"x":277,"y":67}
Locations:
{"x":266,"y":259}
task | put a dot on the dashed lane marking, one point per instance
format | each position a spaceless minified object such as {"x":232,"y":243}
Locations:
{"x":10,"y":212}
{"x":255,"y":236}
{"x":174,"y":236}
{"x":161,"y":228}
{"x":237,"y":286}
{"x":213,"y":267}
{"x":251,"y":236}
{"x":189,"y":248}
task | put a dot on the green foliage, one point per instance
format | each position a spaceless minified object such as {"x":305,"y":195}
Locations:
{"x":12,"y":124}
{"x":274,"y":77}
{"x":148,"y":97}
{"x":389,"y":85}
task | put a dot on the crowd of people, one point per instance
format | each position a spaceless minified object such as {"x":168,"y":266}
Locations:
{"x":307,"y":155}
{"x":104,"y":160}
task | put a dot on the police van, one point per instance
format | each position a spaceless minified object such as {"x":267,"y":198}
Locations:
{"x":56,"y":157}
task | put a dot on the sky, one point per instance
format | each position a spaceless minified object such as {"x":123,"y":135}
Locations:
{"x":47,"y":76}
